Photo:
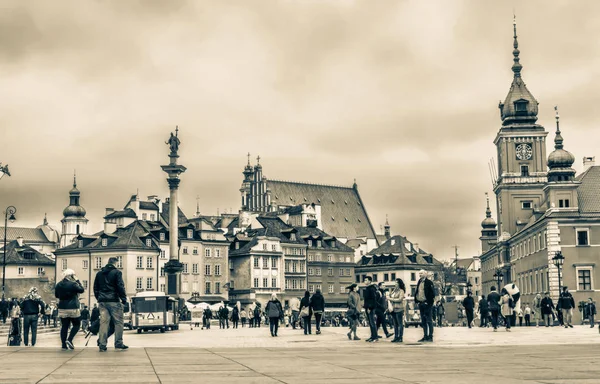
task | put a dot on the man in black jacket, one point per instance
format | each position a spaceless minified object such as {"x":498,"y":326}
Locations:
{"x":381,"y":310}
{"x":109,"y":290}
{"x":424,"y":297}
{"x":31,"y":306}
{"x":590,"y":311}
{"x":469,"y":304}
{"x":3,"y":310}
{"x":493,"y":300}
{"x":483,"y":311}
{"x":566,"y":303}
{"x":370,"y":305}
{"x":317,"y":303}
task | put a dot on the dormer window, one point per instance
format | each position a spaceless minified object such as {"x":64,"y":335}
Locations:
{"x":190,"y":233}
{"x":104,"y":242}
{"x":162,"y":236}
{"x":310,"y":243}
{"x":80,"y":243}
{"x":148,"y":242}
{"x":319,"y":243}
{"x":293,"y":237}
{"x":521,"y":106}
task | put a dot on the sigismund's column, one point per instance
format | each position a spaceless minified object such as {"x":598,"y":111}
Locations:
{"x":173,"y":267}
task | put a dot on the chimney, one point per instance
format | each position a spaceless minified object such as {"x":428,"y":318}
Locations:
{"x":110,"y":227}
{"x":152,"y":198}
{"x":108,"y":211}
{"x":20,"y":241}
{"x":588,"y":162}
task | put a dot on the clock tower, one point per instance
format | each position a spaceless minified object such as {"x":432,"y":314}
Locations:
{"x":521,"y":146}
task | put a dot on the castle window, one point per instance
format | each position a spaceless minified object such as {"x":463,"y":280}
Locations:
{"x":524,"y":170}
{"x":583,"y":237}
{"x":521,"y":106}
{"x":584,"y":279}
{"x":525,"y":204}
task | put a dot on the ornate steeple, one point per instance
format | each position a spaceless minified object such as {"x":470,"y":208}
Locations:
{"x":386,"y":228}
{"x":488,"y":222}
{"x":560,"y":160}
{"x":489,"y":233}
{"x":519,"y":106}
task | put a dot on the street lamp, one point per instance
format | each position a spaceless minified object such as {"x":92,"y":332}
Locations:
{"x":558,"y":260}
{"x":499,"y":277}
{"x":9,"y":214}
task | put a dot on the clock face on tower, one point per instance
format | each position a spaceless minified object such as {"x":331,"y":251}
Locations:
{"x":524,"y":151}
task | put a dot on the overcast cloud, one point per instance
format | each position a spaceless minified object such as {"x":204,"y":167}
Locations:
{"x":401,"y":95}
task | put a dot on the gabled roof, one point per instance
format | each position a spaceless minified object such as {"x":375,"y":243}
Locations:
{"x":165,"y":214}
{"x":29,"y":235}
{"x":342,"y":212}
{"x":310,"y":231}
{"x":15,"y":254}
{"x":588,"y":192}
{"x":464,"y":263}
{"x":148,"y":205}
{"x":124,"y":213}
{"x":398,"y":250}
{"x":131,"y":236}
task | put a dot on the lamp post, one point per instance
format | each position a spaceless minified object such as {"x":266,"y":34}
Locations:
{"x":499,"y":277}
{"x":558,"y":260}
{"x":9,"y":214}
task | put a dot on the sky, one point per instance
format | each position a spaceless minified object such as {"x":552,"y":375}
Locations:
{"x":400,"y":95}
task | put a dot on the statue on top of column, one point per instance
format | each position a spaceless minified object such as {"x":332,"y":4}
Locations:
{"x":174,"y":142}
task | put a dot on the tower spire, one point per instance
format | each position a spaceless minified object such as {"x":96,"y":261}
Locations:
{"x":198,"y":206}
{"x":488,"y":212}
{"x":248,"y":158}
{"x":558,"y":140}
{"x":74,"y":178}
{"x":516,"y":68}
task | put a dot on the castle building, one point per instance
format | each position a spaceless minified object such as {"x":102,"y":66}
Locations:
{"x":343,"y":212}
{"x":43,"y":238}
{"x":542,"y":207}
{"x":74,"y":221}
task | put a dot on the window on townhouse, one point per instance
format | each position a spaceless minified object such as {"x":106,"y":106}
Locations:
{"x":162,"y":272}
{"x":185,"y":250}
{"x":185,"y":287}
{"x":413,"y":276}
{"x":311,"y":288}
{"x":295,"y":266}
{"x":386,"y":277}
{"x":218,"y":270}
{"x":84,"y":264}
{"x":80,"y":243}
{"x":274,"y":282}
{"x":119,"y":261}
{"x":140,"y":262}
{"x":256,"y":282}
{"x":144,"y":216}
{"x":265,"y":282}
{"x":162,"y":288}
{"x":256,"y":261}
{"x":310,"y":257}
{"x":85,"y":284}
{"x":195,"y":251}
{"x":287,"y":265}
{"x":330,"y":288}
{"x":274,"y":262}
{"x":348,"y":273}
{"x":139,"y":281}
{"x":152,"y":217}
{"x":149,"y":283}
{"x":264,"y":247}
{"x":185,"y":267}
{"x":207,"y":252}
{"x":374,"y":277}
{"x":329,"y":258}
{"x":207,"y":270}
{"x":195,"y":268}
{"x":294,"y":284}
{"x":98,"y":263}
{"x":318,"y":286}
{"x":293,"y":237}
{"x":273,"y":247}
{"x":163,"y":254}
{"x":319,"y":243}
{"x":265,"y":262}
{"x":230,"y":262}
{"x":318,"y":271}
{"x":329,"y":271}
{"x":207,"y":288}
{"x":217,"y":287}
{"x":149,"y":262}
{"x":584,"y":279}
{"x":217,"y":252}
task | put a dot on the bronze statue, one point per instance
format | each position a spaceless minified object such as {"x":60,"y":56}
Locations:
{"x":173,"y":142}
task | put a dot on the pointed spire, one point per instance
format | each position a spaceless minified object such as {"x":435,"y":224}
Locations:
{"x":386,"y":220}
{"x":488,"y":212}
{"x":74,"y":178}
{"x":198,"y":206}
{"x":558,"y":140}
{"x":45,"y":219}
{"x":248,"y":158}
{"x":516,"y":68}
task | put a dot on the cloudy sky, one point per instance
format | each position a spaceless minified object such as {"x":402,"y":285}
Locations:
{"x":401,"y":95}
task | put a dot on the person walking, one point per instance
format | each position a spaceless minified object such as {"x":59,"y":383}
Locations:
{"x":206,"y":317}
{"x":317,"y":304}
{"x":85,"y":318}
{"x":295,"y":308}
{"x":3,"y":310}
{"x":235,"y":317}
{"x":590,"y":311}
{"x":370,"y":299}
{"x":507,"y":308}
{"x":257,"y":316}
{"x":536,"y":310}
{"x":493,"y":300}
{"x":483,"y":312}
{"x":547,"y":309}
{"x":441,"y":312}
{"x":469,"y":305}
{"x":353,"y":312}
{"x":397,"y":300}
{"x":275,"y":313}
{"x":31,"y":307}
{"x":567,"y":303}
{"x":381,"y":310}
{"x":243,"y":317}
{"x":109,"y":290}
{"x":67,"y":292}
{"x":424,"y":297}
{"x":306,"y":312}
{"x":527,"y":313}
{"x":221,"y":318}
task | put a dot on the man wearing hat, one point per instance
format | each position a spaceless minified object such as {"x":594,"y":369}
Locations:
{"x":31,"y":306}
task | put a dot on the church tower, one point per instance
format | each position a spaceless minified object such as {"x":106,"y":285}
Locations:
{"x":489,"y":234}
{"x":74,"y":221}
{"x":245,"y":189}
{"x":561,"y":190}
{"x":521,"y":146}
